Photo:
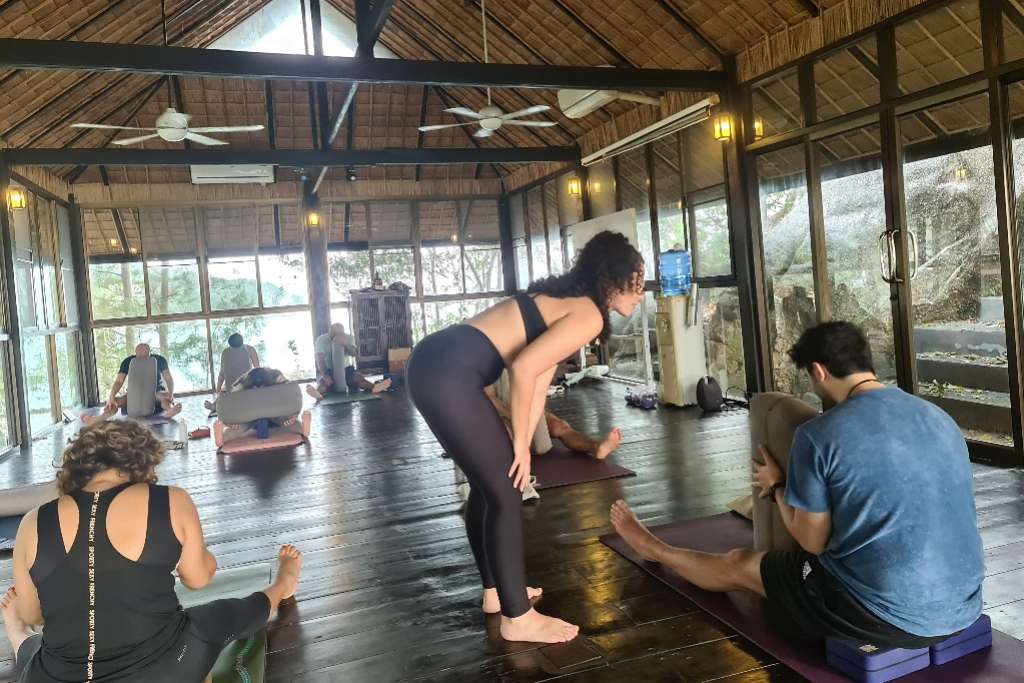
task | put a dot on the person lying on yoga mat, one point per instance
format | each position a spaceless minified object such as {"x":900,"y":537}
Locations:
{"x":879,"y":495}
{"x":325,"y":348}
{"x":163,"y":391}
{"x":237,"y":359}
{"x":255,"y":379}
{"x":528,"y":334}
{"x":96,"y":567}
{"x":560,"y":429}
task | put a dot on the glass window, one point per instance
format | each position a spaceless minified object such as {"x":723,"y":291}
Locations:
{"x":703,"y":156}
{"x":284,"y":341}
{"x":776,"y":100}
{"x":30,"y":304}
{"x":169,"y":246}
{"x":785,"y":229}
{"x":348,"y":270}
{"x":723,"y":337}
{"x":6,"y":437}
{"x":939,"y":46}
{"x":117,"y":289}
{"x":1013,"y":34}
{"x":601,"y":185}
{"x":67,"y":266}
{"x":555,"y":257}
{"x":36,"y":358}
{"x":570,"y":206}
{"x":395,"y":265}
{"x":515,"y":203}
{"x":184,"y":344}
{"x":538,"y":241}
{"x":669,"y":185}
{"x":231,"y":234}
{"x":283,"y":278}
{"x":956,"y":283}
{"x":853,"y":207}
{"x":69,"y":371}
{"x":847,"y":80}
{"x":417,"y":321}
{"x":481,"y":257}
{"x":45,"y":254}
{"x":634,"y":188}
{"x":440,"y":253}
{"x":442,"y":314}
{"x":233,"y":282}
{"x":713,"y":255}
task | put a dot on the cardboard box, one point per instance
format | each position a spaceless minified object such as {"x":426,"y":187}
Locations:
{"x":397,"y":358}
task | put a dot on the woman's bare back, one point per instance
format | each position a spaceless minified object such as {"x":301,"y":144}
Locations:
{"x":503,"y":324}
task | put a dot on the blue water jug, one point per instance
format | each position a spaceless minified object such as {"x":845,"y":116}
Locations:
{"x":676,"y":272}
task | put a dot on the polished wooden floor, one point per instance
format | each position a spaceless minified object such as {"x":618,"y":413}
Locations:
{"x":389,"y":590}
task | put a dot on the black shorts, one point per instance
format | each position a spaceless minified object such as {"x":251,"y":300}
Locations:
{"x":805,"y":602}
{"x":212,"y":626}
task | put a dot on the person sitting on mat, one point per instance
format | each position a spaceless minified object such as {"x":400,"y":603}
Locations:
{"x":96,"y":567}
{"x":324,"y":347}
{"x":163,"y":392}
{"x":528,"y":334}
{"x":254,"y":379}
{"x":237,"y":359}
{"x":879,"y":495}
{"x":560,"y":429}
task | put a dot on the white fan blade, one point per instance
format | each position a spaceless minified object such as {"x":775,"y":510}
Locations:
{"x":536,"y":109}
{"x":225,"y":129}
{"x":132,"y":141}
{"x":106,"y":127}
{"x":442,"y":126}
{"x":483,"y":133}
{"x":531,"y":124}
{"x":462,"y":111}
{"x":202,"y":139}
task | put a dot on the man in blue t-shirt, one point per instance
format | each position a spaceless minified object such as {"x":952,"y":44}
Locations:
{"x":879,"y":495}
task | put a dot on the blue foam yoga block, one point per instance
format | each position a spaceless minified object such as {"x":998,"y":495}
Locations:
{"x":975,"y":637}
{"x":871,"y":664}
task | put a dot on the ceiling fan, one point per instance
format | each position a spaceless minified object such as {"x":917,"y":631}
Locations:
{"x":172,"y":126}
{"x":491,"y":118}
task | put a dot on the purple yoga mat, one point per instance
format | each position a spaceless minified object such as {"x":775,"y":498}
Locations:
{"x":1002,"y":663}
{"x":562,"y":467}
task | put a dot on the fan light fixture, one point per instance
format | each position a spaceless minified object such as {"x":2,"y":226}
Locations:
{"x":758,"y":128}
{"x":16,"y":198}
{"x":723,"y":127}
{"x":575,"y":187}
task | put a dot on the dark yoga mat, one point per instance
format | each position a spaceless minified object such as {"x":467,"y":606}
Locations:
{"x":8,"y":530}
{"x":562,"y":467}
{"x":330,"y":399}
{"x":1002,"y":663}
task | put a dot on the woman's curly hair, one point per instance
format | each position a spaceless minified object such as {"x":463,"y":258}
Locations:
{"x":126,"y":446}
{"x":607,"y":264}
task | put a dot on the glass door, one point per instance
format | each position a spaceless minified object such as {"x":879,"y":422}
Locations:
{"x":955,"y":281}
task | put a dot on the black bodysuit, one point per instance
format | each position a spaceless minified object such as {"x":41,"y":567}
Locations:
{"x":447,"y":374}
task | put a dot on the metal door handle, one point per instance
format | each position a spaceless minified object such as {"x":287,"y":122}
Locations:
{"x":884,"y":252}
{"x":913,"y":247}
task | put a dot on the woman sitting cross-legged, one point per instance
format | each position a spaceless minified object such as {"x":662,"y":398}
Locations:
{"x":95,"y":569}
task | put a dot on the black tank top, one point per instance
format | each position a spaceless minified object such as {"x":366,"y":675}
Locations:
{"x":533,"y":321}
{"x":107,"y":618}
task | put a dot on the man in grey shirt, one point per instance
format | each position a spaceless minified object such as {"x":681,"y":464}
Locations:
{"x":326,"y":373}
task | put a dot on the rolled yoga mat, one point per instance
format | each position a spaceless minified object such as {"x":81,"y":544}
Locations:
{"x":244,"y":660}
{"x":14,"y":503}
{"x":745,"y":612}
{"x":330,"y":399}
{"x":140,"y":387}
{"x":562,"y":467}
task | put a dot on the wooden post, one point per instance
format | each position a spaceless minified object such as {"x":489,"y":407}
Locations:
{"x":19,"y":421}
{"x":317,"y":276}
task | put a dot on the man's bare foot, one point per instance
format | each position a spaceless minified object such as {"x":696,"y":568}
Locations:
{"x":382,"y":385}
{"x":87,"y":419}
{"x":534,"y":627}
{"x":286,"y":579}
{"x":307,"y":423}
{"x":492,"y":605}
{"x":218,"y":433}
{"x":210,"y":405}
{"x":313,"y":392}
{"x":173,"y":410}
{"x":610,"y":443}
{"x":634,"y":532}
{"x":17,"y":629}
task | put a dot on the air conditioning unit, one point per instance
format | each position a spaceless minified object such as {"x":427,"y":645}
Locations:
{"x":578,"y":103}
{"x":681,"y":119}
{"x":232,"y":174}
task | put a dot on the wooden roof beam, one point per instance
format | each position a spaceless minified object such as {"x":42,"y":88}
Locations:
{"x":811,"y":7}
{"x":183,"y":61}
{"x":369,"y":23}
{"x":578,"y":20}
{"x":681,"y":19}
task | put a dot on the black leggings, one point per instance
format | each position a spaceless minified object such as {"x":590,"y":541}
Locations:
{"x":446,"y":376}
{"x":211,"y":627}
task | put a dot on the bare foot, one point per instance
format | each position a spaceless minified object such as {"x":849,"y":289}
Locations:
{"x":218,"y":433}
{"x":492,"y":605}
{"x":87,"y":419}
{"x":289,"y":565}
{"x":307,"y":423}
{"x":173,"y":410}
{"x":634,"y":532}
{"x":17,"y":629}
{"x":610,"y":443}
{"x":313,"y":392}
{"x":534,"y":627}
{"x":210,"y":405}
{"x":382,"y":385}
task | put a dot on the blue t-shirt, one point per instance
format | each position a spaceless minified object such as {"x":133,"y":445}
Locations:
{"x":893,"y":471}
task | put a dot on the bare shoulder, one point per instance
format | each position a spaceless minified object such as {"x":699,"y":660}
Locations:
{"x":180,"y":500}
{"x":29,"y":522}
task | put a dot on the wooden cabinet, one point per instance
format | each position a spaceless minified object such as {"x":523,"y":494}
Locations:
{"x":381,"y":320}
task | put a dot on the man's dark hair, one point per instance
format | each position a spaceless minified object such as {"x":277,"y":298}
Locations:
{"x":840,"y":346}
{"x":235,"y":340}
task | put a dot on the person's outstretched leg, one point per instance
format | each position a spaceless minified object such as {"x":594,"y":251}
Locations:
{"x":286,"y":579}
{"x":738,"y":569}
{"x":357,"y":380}
{"x":581,"y":443}
{"x":17,"y":630}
